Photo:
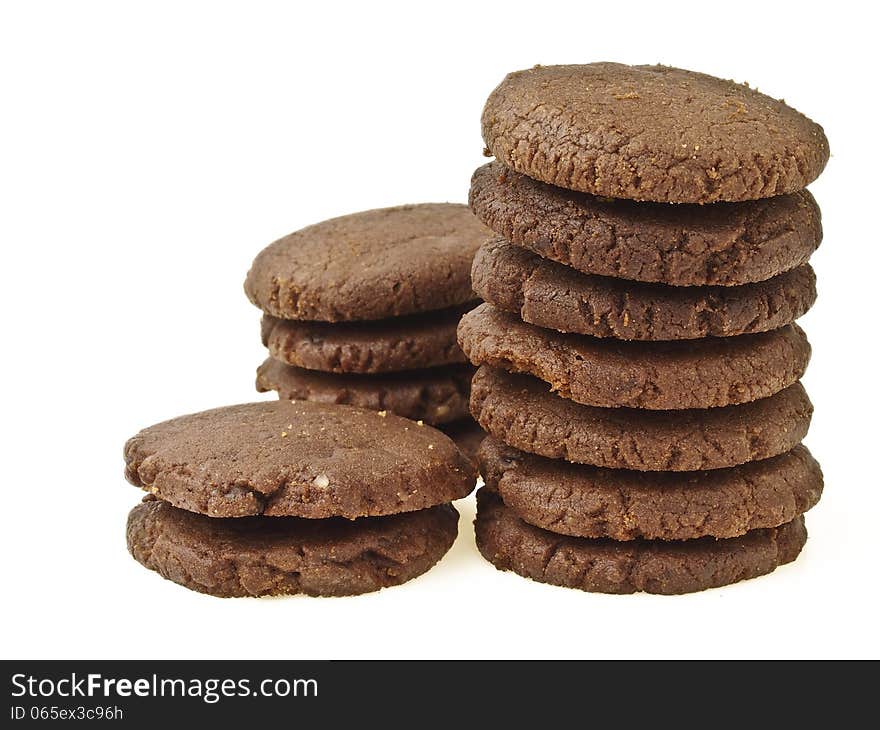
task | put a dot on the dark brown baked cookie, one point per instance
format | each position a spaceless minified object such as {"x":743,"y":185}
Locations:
{"x":301,"y":459}
{"x":725,"y":244}
{"x":608,"y":566}
{"x":467,"y":435}
{"x":271,"y":556}
{"x":557,"y":297}
{"x":370,"y":265}
{"x":378,"y":346}
{"x":707,"y":373}
{"x":589,"y":501}
{"x":651,"y":133}
{"x":436,"y":396}
{"x":521,"y":411}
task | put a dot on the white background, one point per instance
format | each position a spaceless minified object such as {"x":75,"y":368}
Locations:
{"x":149,"y":150}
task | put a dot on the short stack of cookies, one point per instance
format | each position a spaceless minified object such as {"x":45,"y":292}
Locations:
{"x":638,"y":359}
{"x":284,"y":497}
{"x":362,"y":310}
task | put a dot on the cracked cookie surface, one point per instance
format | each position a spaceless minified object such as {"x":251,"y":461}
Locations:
{"x":724,"y":244}
{"x":370,"y":265}
{"x":553,"y":296}
{"x":651,"y":133}
{"x":586,"y":501}
{"x":302,"y":459}
{"x":271,"y":556}
{"x":437,"y":396}
{"x":609,"y":566}
{"x":522,"y":412}
{"x":704,"y":373}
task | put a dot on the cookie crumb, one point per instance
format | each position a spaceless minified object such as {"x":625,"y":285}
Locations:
{"x":382,"y":414}
{"x":322,"y":481}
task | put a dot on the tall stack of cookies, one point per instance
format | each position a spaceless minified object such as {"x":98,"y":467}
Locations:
{"x":362,"y":310}
{"x":638,"y":359}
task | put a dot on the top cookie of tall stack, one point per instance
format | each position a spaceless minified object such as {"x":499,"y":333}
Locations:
{"x":565,"y":135}
{"x":682,"y":137}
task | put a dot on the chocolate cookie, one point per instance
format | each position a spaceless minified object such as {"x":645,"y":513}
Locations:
{"x":707,"y":373}
{"x":370,"y":265}
{"x":608,"y":566}
{"x":467,"y":435}
{"x":522,"y":412}
{"x":435,"y":395}
{"x":379,"y":346}
{"x":725,"y":244}
{"x":651,"y":133}
{"x":557,"y":297}
{"x":262,"y":556}
{"x":589,"y":501}
{"x":283,"y":458}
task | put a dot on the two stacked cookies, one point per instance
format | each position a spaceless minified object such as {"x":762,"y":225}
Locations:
{"x":639,"y":361}
{"x":286,"y":497}
{"x":362,"y":310}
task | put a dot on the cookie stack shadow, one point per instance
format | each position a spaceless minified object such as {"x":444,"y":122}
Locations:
{"x":362,"y":310}
{"x":639,"y":361}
